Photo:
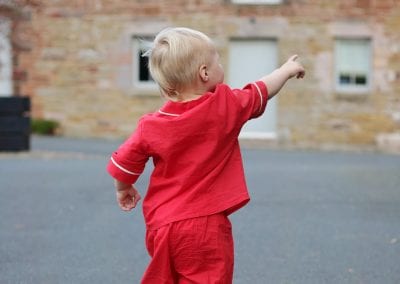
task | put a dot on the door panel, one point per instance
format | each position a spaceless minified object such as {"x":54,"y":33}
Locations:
{"x":5,"y":59}
{"x":249,"y":60}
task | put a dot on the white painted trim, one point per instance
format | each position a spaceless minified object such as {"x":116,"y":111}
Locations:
{"x":6,"y":82}
{"x":122,"y":168}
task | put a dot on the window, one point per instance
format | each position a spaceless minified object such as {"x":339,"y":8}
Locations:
{"x":141,"y":74}
{"x":353,"y":65}
{"x":257,"y":2}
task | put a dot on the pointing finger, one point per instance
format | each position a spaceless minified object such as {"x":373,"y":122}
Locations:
{"x":293,"y":57}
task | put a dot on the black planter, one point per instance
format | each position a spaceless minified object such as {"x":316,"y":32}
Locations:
{"x":15,"y":123}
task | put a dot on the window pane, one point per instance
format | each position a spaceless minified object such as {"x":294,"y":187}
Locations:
{"x":344,"y":79}
{"x":353,"y":55}
{"x":144,"y":74}
{"x":361,"y":80}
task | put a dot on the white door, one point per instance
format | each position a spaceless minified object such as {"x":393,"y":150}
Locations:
{"x":6,"y":88}
{"x":249,"y":60}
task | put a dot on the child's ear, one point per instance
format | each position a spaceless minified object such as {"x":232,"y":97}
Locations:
{"x":203,"y":73}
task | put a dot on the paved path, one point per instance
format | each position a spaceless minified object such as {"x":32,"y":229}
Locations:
{"x":315,"y":217}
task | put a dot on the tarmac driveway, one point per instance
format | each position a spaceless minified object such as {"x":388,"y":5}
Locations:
{"x":315,"y":217}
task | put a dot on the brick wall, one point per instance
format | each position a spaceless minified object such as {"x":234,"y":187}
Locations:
{"x":80,"y":64}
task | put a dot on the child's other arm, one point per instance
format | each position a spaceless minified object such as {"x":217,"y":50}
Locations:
{"x":127,"y":195}
{"x":277,"y":79}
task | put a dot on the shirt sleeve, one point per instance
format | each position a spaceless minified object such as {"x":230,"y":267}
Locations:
{"x":252,"y":99}
{"x":128,"y":162}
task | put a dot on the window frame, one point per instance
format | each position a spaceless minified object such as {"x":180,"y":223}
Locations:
{"x":137,"y":49}
{"x":353,"y":87}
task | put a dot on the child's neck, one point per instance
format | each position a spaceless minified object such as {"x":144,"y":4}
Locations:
{"x":189,"y":95}
{"x":188,"y":98}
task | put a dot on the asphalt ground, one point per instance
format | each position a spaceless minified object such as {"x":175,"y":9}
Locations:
{"x":314,"y":217}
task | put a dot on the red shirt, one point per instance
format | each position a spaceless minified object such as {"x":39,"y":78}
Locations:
{"x":198,"y":167}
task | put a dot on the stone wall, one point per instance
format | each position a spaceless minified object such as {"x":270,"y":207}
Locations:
{"x":80,"y":64}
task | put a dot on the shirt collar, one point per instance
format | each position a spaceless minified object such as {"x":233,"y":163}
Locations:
{"x":177,"y":108}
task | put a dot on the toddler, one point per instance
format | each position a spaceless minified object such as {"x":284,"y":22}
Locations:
{"x":198,"y":178}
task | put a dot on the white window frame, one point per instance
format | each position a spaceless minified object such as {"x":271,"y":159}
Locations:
{"x":352,"y":87}
{"x":138,"y":47}
{"x":257,"y":2}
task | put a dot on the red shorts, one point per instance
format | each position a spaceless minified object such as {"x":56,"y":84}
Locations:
{"x":198,"y":250}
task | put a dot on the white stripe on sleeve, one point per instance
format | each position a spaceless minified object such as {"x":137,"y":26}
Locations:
{"x":167,"y":113}
{"x":122,"y":168}
{"x":261,"y":97}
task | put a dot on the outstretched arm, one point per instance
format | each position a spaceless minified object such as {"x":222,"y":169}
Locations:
{"x":277,"y":79}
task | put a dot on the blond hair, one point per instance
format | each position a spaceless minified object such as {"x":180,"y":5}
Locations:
{"x":175,"y":57}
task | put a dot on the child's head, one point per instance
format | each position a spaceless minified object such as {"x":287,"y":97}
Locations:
{"x":176,"y":57}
